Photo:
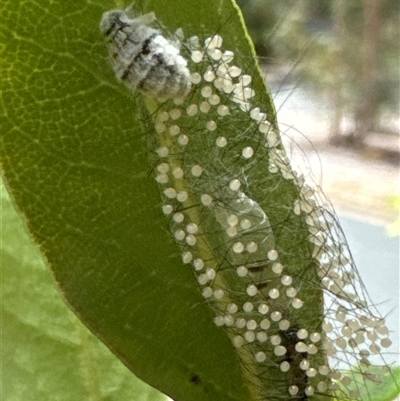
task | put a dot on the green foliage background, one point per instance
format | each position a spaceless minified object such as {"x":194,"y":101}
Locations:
{"x":47,"y":353}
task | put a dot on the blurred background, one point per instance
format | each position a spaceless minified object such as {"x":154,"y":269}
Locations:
{"x":333,"y":68}
{"x":345,"y":53}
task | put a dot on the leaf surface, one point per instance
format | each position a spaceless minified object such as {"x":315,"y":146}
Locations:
{"x":46,"y":351}
{"x":75,"y":159}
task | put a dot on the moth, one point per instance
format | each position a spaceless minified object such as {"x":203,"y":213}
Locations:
{"x":143,"y":58}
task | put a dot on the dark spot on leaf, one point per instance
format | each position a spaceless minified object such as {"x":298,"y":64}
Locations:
{"x":195,"y":379}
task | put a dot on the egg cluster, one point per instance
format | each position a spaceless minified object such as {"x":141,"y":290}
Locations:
{"x":353,"y":331}
{"x":204,"y":170}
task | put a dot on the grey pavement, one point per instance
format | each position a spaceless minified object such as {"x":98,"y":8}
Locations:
{"x":377,"y":257}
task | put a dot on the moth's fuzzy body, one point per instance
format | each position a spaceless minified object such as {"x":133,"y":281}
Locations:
{"x":143,"y":58}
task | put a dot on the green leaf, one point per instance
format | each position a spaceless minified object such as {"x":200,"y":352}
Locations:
{"x":80,"y":157}
{"x":388,"y":387}
{"x":75,"y":160}
{"x":46,"y":351}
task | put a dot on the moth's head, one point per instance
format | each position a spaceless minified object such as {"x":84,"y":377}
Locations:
{"x":112,"y":20}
